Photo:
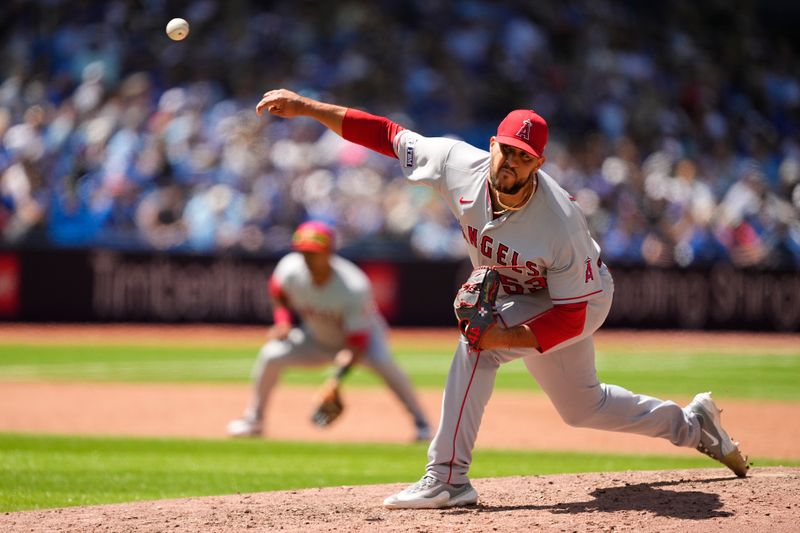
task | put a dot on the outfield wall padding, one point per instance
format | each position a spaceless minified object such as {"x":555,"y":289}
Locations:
{"x":107,"y":286}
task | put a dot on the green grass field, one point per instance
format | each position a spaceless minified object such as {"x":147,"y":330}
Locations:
{"x":40,"y":472}
{"x":54,"y":471}
{"x":682,"y":371}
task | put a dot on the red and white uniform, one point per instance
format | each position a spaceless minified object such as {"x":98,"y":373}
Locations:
{"x":337,"y":314}
{"x":551,"y":260}
{"x":339,"y":311}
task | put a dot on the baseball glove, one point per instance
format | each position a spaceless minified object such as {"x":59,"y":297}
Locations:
{"x":329,"y":408}
{"x":474,"y":304}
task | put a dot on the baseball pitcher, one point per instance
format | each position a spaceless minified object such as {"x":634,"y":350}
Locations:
{"x":548,"y":292}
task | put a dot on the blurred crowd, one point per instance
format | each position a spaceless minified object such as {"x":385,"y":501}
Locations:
{"x":676,"y":126}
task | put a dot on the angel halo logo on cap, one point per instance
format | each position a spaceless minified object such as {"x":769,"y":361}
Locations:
{"x":524,"y":129}
{"x":313,"y":236}
{"x":524,"y":132}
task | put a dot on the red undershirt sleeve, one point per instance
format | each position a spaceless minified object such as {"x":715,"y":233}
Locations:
{"x":280,"y":315}
{"x":358,"y":340}
{"x":275,"y":289}
{"x":558,"y":324}
{"x":371,"y":131}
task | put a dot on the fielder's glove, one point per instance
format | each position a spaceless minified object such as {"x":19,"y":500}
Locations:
{"x":330,"y":406}
{"x":474,"y":304}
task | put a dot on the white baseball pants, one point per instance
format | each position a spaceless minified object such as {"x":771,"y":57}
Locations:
{"x":567,"y":375}
{"x":300,"y":350}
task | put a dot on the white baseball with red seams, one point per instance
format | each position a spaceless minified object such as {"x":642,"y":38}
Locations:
{"x":548,"y":257}
{"x":177,"y":29}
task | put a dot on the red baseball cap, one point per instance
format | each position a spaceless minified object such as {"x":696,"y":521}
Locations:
{"x":524,"y":129}
{"x":313,"y":236}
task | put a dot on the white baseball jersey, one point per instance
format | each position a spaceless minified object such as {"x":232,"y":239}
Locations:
{"x":342,"y":306}
{"x":546,"y":245}
{"x":330,"y":313}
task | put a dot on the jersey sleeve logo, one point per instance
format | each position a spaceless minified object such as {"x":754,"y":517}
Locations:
{"x":589,"y":273}
{"x":525,"y":130}
{"x":410,"y":153}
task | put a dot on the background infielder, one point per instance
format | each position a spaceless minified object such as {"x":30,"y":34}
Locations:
{"x":339,"y":322}
{"x":555,"y":293}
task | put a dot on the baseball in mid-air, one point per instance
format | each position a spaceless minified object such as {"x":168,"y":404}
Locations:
{"x":177,"y":29}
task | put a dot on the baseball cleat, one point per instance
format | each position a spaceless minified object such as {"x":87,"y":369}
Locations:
{"x":430,"y":493}
{"x":714,"y":441}
{"x":244,"y":427}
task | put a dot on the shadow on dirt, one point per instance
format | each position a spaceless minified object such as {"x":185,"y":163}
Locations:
{"x":641,"y":497}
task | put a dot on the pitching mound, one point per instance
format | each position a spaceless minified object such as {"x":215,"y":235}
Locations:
{"x":690,"y":500}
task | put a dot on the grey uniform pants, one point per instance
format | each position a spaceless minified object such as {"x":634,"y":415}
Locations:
{"x":567,"y":375}
{"x":300,"y":350}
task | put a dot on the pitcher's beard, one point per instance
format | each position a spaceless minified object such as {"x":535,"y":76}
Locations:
{"x":513,"y":188}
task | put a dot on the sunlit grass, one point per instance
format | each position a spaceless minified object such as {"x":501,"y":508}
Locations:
{"x":39,"y":472}
{"x":683,"y":371}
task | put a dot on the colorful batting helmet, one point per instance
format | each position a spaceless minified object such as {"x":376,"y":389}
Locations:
{"x":313,"y":236}
{"x":524,"y":129}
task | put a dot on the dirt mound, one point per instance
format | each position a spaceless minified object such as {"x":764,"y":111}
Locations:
{"x":689,"y":500}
